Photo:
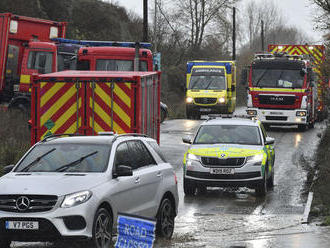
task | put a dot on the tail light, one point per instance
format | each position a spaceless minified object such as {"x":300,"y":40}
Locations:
{"x":175,"y":178}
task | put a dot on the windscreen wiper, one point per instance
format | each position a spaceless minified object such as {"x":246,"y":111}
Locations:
{"x":73,"y":163}
{"x":262,"y":75}
{"x":26,"y":168}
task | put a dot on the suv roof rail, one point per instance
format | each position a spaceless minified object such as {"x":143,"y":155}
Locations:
{"x":60,"y":135}
{"x":129,"y":134}
{"x":224,"y":116}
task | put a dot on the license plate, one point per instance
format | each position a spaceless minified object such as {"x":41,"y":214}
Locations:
{"x":225,"y":171}
{"x":205,"y":110}
{"x":276,"y":113}
{"x":22,"y":225}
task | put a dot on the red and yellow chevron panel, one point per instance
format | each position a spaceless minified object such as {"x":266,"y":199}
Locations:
{"x":58,"y":109}
{"x":316,"y":53}
{"x":111,"y":109}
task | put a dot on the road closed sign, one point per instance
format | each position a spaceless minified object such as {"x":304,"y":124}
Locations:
{"x":135,"y":232}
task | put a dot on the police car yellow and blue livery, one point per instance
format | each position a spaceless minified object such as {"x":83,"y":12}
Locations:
{"x":229,"y":152}
{"x":211,"y":88}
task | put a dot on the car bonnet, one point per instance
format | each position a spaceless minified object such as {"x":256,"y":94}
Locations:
{"x":49,"y":183}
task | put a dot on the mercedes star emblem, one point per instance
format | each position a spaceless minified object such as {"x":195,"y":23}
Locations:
{"x":22,"y":203}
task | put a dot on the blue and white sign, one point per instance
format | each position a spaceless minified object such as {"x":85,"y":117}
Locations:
{"x":135,"y":232}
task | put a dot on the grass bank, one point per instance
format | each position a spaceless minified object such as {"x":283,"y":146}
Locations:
{"x":14,"y":137}
{"x":321,"y":186}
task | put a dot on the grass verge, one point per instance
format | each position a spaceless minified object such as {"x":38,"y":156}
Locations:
{"x":321,"y":186}
{"x":14,"y":137}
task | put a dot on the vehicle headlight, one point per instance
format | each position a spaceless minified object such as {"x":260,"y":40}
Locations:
{"x":189,"y":100}
{"x":251,"y":112}
{"x":191,"y":156}
{"x":221,"y":100}
{"x":301,"y":113}
{"x":256,"y":159}
{"x":75,"y":199}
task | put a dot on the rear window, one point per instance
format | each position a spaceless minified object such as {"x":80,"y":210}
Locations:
{"x":118,"y":65}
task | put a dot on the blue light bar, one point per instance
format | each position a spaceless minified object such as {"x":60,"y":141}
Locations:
{"x":103,"y":43}
{"x":201,"y":63}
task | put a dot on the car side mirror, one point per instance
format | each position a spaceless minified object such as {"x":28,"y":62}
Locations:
{"x":233,"y":88}
{"x":8,"y":169}
{"x":122,"y":171}
{"x":187,"y":140}
{"x":269,"y":141}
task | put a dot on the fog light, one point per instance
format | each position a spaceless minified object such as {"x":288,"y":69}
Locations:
{"x":301,"y":113}
{"x":221,"y":100}
{"x":189,"y":100}
{"x":251,"y":112}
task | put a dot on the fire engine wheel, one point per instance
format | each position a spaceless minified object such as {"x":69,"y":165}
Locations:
{"x":311,"y":124}
{"x":302,"y":127}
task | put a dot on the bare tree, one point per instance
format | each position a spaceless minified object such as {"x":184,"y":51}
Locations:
{"x":323,"y":19}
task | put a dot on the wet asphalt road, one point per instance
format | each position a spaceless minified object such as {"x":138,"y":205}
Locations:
{"x":236,"y":218}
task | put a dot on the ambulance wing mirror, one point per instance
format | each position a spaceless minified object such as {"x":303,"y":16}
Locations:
{"x":187,"y":139}
{"x":244,"y":76}
{"x":303,"y":72}
{"x":269,"y":141}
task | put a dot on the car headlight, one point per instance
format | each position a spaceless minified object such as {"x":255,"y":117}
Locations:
{"x":221,"y":100}
{"x":189,"y":100}
{"x":256,"y":159}
{"x":301,"y":113}
{"x":191,"y":156}
{"x":75,"y":199}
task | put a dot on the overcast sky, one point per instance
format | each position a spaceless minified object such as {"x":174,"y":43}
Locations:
{"x":298,"y":13}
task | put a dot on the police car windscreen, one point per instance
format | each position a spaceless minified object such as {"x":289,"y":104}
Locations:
{"x":66,"y":157}
{"x":207,"y":79}
{"x":228,"y":134}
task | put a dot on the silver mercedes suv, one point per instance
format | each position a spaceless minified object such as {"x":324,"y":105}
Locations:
{"x":74,"y":187}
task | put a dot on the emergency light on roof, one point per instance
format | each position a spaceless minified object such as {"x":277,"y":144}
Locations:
{"x":104,"y":43}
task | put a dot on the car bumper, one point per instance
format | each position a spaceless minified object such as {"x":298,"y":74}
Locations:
{"x":207,"y":109}
{"x":246,"y":176}
{"x":280,"y":117}
{"x":53,"y":225}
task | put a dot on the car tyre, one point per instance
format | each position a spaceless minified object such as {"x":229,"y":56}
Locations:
{"x":102,"y":228}
{"x":261,"y":189}
{"x":165,"y":219}
{"x":162,"y":115}
{"x":5,"y":243}
{"x":202,"y":189}
{"x":270,"y":181}
{"x":188,"y":187}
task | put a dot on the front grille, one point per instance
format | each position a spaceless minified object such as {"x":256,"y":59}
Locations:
{"x":236,"y":176}
{"x":205,"y":100}
{"x":277,"y":99}
{"x":219,"y":162}
{"x":35,"y":203}
{"x":276,"y":118}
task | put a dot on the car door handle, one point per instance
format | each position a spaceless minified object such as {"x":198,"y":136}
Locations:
{"x":159,"y":174}
{"x":137,"y":180}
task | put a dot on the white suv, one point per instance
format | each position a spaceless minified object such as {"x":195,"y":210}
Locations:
{"x":74,"y":187}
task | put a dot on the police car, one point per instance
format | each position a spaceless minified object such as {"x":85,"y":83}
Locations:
{"x":229,"y":152}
